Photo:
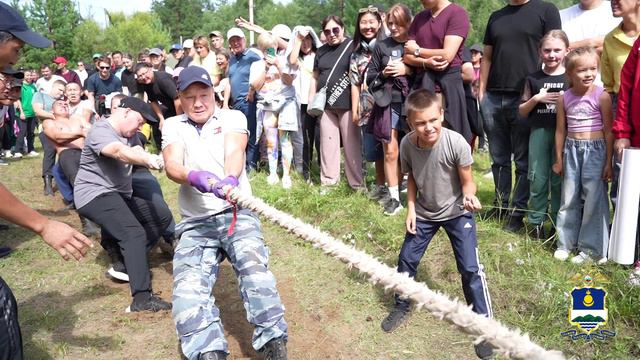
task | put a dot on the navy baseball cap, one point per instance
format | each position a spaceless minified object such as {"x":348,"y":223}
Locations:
{"x":8,"y":70}
{"x":193,"y":74}
{"x":140,"y":106}
{"x":476,"y":47}
{"x":14,"y":24}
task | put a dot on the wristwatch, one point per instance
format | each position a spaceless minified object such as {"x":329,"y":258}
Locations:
{"x":416,"y":52}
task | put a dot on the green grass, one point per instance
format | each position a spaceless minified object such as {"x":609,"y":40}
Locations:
{"x":529,"y":289}
{"x":70,"y":310}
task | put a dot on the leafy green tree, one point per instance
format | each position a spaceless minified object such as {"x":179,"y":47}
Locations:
{"x":180,"y":17}
{"x":134,"y":33}
{"x":55,"y":19}
{"x":87,"y":40}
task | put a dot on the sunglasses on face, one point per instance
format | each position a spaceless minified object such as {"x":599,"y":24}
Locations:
{"x":335,"y":31}
{"x":105,"y":67}
{"x":371,"y":9}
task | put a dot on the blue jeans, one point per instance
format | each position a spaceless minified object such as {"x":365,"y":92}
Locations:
{"x":508,"y":135}
{"x":249,"y":110}
{"x":65,"y":187}
{"x":583,"y":218}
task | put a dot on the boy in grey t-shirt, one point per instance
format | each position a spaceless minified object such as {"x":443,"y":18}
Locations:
{"x":440,"y":193}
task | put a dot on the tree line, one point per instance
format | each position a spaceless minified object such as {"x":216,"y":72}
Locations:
{"x":170,"y":21}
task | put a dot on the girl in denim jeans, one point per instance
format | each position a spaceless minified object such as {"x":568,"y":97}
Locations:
{"x":584,"y":146}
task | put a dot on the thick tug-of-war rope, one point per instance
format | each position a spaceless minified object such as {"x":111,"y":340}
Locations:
{"x":511,"y":343}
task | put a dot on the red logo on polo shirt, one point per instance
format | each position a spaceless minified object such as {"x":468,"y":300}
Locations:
{"x":217,"y":130}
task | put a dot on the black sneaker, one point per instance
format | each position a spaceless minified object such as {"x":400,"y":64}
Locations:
{"x":275,"y":349}
{"x":5,"y":251}
{"x":118,"y":271}
{"x":537,"y":232}
{"x":483,"y":350}
{"x":380,"y":194}
{"x":213,"y":355}
{"x":395,"y":318}
{"x":514,"y":224}
{"x":153,"y":304}
{"x":392,"y":207}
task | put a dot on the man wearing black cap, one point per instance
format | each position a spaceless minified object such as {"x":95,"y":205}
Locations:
{"x":204,"y":151}
{"x":68,"y":242}
{"x":103,"y":193}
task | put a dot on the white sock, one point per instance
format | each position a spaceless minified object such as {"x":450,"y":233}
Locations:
{"x":393,"y":191}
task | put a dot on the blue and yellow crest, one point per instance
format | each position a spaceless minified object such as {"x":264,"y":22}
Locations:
{"x":588,"y":308}
{"x":588,"y":311}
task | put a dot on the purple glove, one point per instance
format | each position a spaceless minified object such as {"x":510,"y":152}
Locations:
{"x":202,"y":180}
{"x":228,"y":181}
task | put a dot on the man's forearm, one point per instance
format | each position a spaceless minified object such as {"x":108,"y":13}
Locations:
{"x":15,"y":211}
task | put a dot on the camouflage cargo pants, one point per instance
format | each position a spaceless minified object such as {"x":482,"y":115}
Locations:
{"x":202,"y":247}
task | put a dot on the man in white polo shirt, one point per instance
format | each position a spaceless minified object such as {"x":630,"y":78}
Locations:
{"x":204,"y":151}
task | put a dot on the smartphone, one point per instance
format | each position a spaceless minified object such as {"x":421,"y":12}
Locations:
{"x":395,"y":56}
{"x":271,"y":51}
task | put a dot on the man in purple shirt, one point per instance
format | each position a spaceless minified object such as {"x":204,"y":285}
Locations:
{"x":68,"y":75}
{"x":436,"y":40}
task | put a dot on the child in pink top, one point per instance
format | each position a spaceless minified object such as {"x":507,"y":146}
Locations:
{"x":583,"y":157}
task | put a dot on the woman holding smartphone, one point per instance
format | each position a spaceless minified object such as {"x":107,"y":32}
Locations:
{"x":387,"y":64}
{"x":367,"y":33}
{"x":331,"y":69}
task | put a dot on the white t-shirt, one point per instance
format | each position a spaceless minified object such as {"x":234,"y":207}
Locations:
{"x":585,"y":24}
{"x":45,"y":85}
{"x":303,"y":80}
{"x":204,"y":151}
{"x":79,"y":108}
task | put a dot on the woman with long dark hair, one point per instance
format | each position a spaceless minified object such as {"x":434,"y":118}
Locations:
{"x":368,"y":31}
{"x":331,"y":69}
{"x":302,"y":53}
{"x":388,"y":66}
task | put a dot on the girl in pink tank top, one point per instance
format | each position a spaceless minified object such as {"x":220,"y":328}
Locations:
{"x":584,"y":147}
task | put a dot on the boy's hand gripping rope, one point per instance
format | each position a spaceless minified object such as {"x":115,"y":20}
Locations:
{"x":511,"y":343}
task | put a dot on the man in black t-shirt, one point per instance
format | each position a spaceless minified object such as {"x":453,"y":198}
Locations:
{"x":162,"y":93}
{"x":510,"y":54}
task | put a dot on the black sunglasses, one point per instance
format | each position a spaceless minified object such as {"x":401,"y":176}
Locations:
{"x":335,"y":31}
{"x":105,"y":67}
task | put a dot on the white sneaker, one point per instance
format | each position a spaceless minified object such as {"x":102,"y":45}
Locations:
{"x":8,"y":154}
{"x":580,"y":258}
{"x":118,"y":273}
{"x":272,"y":179}
{"x":33,"y":154}
{"x":17,"y":155}
{"x":286,"y":182}
{"x":561,"y":255}
{"x":634,"y":277}
{"x":602,"y":261}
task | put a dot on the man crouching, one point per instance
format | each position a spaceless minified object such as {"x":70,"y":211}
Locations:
{"x":204,"y":151}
